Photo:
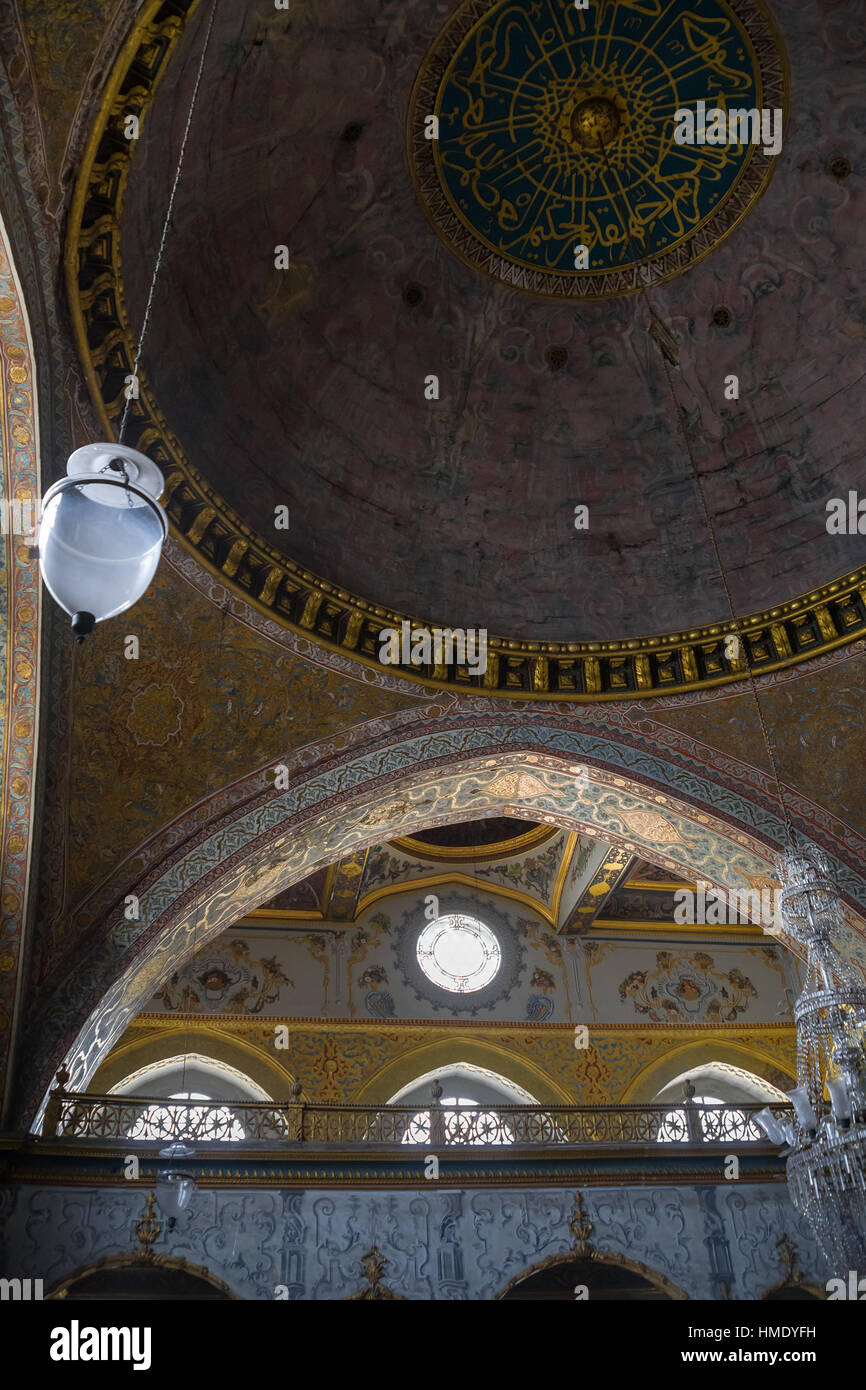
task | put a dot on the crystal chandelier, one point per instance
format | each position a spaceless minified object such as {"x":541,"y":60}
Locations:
{"x":827,"y":1139}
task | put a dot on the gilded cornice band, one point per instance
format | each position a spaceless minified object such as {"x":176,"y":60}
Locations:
{"x":817,"y":622}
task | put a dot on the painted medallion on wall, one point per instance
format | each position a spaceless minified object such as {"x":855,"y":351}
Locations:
{"x":555,"y":130}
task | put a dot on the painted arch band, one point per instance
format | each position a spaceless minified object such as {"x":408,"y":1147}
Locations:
{"x":599,"y":778}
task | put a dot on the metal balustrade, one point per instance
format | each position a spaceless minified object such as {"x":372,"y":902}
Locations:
{"x":275,"y":1123}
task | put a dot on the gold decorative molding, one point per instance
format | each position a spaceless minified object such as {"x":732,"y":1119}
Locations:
{"x":610,"y":874}
{"x":659,"y":885}
{"x":252,"y":1023}
{"x":261,"y":917}
{"x":581,"y":1229}
{"x":147,"y":1228}
{"x":373,"y":1265}
{"x":622,"y":926}
{"x":340,"y":899}
{"x":817,"y":622}
{"x":62,"y":1289}
{"x":446,"y":880}
{"x":71,"y":1165}
{"x":792,"y":1275}
{"x":652,"y":1276}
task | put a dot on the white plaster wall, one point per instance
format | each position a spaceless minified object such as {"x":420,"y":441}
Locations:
{"x":440,"y":1244}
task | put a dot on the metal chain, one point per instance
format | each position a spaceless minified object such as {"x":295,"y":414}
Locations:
{"x":166,"y":223}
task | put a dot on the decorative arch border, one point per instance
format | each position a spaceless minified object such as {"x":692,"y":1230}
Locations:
{"x":597,"y":1257}
{"x":622,"y":738}
{"x":466,"y":1046}
{"x":154,"y":1048}
{"x":656,"y":1074}
{"x":659,"y":804}
{"x":814,"y":1289}
{"x":61,"y":1289}
{"x":517,"y":1094}
{"x":21,"y":619}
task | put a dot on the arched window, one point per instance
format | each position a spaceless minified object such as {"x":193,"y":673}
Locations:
{"x":191,"y":1071}
{"x":716,"y":1084}
{"x":202,"y":1122}
{"x":462,"y":1121}
{"x":189,"y":1077}
{"x":727,"y":1123}
{"x":468,"y":1110}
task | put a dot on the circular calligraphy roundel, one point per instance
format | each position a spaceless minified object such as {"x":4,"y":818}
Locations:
{"x":586,"y":152}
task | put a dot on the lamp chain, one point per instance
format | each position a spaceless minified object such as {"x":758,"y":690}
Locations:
{"x":167,"y":221}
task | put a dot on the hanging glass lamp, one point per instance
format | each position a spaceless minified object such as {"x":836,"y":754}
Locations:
{"x":102,"y":533}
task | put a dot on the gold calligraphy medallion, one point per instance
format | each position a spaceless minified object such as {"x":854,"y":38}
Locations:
{"x":555,"y":130}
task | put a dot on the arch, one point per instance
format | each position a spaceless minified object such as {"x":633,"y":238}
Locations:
{"x":137,"y":1054}
{"x":790,"y":1291}
{"x":20,"y":633}
{"x":189,"y":1070}
{"x":718,"y":1078}
{"x":590,"y":777}
{"x":70,"y":1286}
{"x":459,"y":1046}
{"x":466,"y":1075}
{"x":697,"y":1051}
{"x":596,"y":1258}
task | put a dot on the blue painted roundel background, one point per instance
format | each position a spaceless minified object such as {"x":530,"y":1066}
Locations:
{"x":516,"y":174}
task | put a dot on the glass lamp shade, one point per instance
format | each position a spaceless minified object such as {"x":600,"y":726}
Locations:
{"x":770,"y":1125}
{"x":839,"y":1098}
{"x":174,"y":1191}
{"x":102,"y":532}
{"x":802,"y":1103}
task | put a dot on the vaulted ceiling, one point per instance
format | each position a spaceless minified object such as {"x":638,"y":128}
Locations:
{"x":572,"y":881}
{"x":305,"y":387}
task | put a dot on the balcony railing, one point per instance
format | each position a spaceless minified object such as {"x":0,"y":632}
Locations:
{"x":292,"y":1122}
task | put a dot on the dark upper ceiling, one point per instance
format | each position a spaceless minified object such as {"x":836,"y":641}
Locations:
{"x":465,"y":834}
{"x":306,"y":387}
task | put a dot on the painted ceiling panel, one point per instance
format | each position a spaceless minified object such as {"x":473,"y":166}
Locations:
{"x":154,"y":735}
{"x":305,"y":387}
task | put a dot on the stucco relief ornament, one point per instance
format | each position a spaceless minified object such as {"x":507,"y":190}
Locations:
{"x":581,"y":1229}
{"x":373,"y":1265}
{"x":147,"y":1228}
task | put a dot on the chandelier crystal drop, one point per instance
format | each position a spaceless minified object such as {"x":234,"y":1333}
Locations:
{"x":827,"y":1141}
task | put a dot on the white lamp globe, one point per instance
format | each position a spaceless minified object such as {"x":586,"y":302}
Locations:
{"x":101,"y":533}
{"x":173,"y":1192}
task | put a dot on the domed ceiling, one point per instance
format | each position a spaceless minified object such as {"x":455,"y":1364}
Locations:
{"x":310,"y":387}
